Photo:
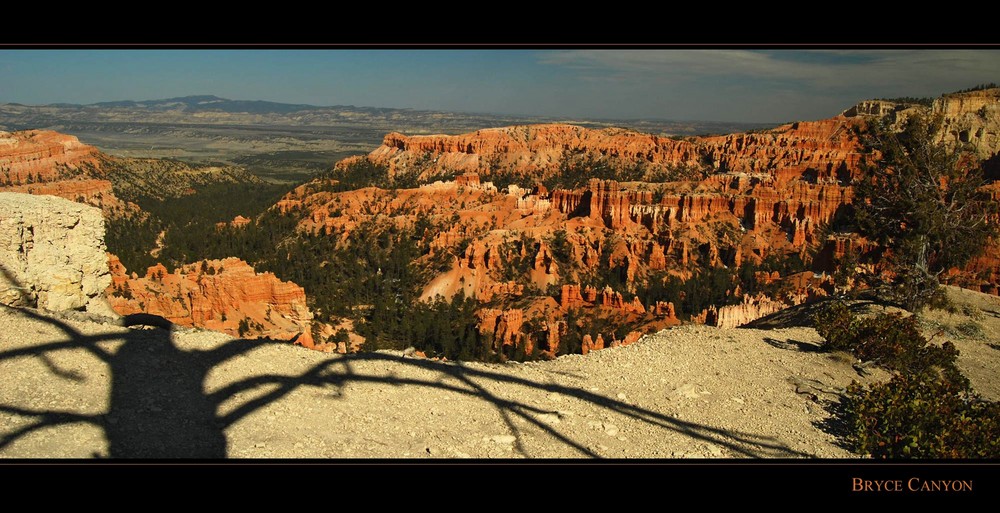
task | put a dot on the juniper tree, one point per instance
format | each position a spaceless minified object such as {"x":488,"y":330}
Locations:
{"x":923,"y":204}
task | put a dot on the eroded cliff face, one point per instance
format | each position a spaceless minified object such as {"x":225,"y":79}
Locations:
{"x":42,"y":156}
{"x":776,"y":186}
{"x":52,"y":254}
{"x":823,"y":148}
{"x":535,"y":150}
{"x":510,"y":246}
{"x":971,"y":118}
{"x":822,"y":151}
{"x":769,"y":193}
{"x":43,"y":162}
{"x":223,"y":295}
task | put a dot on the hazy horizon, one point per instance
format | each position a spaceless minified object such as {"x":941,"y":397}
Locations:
{"x":749,"y":86}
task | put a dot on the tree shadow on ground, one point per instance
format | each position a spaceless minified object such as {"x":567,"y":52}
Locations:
{"x":339,"y":371}
{"x":159,"y":407}
{"x":836,"y":424}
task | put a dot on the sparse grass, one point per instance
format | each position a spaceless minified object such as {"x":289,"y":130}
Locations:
{"x":956,"y":329}
{"x":970,"y":311}
{"x":970,"y":329}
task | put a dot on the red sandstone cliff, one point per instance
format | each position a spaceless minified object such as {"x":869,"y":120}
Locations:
{"x":758,"y":194}
{"x":223,"y":295}
{"x":780,"y":184}
{"x":536,"y":149}
{"x":760,"y":209}
{"x":54,"y":164}
{"x":825,"y":150}
{"x":33,"y":156}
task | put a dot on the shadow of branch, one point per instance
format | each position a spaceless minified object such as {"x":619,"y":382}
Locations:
{"x":192,"y":366}
{"x":325,"y":373}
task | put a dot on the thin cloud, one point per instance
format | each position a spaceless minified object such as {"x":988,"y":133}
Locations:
{"x":814,"y":68}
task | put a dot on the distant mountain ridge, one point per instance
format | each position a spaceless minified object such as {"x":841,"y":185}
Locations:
{"x":178,"y":109}
{"x":282,"y":139}
{"x":212,"y":103}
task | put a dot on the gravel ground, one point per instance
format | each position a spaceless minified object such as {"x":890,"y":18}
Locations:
{"x":80,"y":389}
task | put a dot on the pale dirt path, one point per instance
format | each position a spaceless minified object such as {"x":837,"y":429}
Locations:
{"x":692,"y":392}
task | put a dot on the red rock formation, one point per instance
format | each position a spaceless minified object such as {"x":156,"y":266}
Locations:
{"x":631,"y":338}
{"x":766,"y":278}
{"x":590,"y":344}
{"x":34,"y":156}
{"x":119,"y":275}
{"x":570,"y":297}
{"x":97,"y":193}
{"x":805,"y":286}
{"x":603,"y":200}
{"x":505,"y":326}
{"x":823,"y":150}
{"x":982,"y":273}
{"x":751,"y":309}
{"x":467,"y":180}
{"x":777,"y":210}
{"x":219,"y":295}
{"x":529,"y":149}
{"x":612,"y":299}
{"x":552,"y":331}
{"x":505,"y":289}
{"x":54,"y":164}
{"x":766,"y":193}
{"x":507,"y":329}
{"x":595,"y":344}
{"x":479,"y":256}
{"x":664,"y":309}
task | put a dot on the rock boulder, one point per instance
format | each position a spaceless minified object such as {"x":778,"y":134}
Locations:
{"x":52,"y":254}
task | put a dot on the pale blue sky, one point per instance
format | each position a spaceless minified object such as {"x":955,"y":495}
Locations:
{"x":711,"y":85}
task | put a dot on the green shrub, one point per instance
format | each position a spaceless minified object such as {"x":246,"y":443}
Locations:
{"x":927,"y":409}
{"x":887,"y":340}
{"x":921,"y":416}
{"x":833,"y":324}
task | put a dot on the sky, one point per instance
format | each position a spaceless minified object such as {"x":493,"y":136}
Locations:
{"x":738,"y":85}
